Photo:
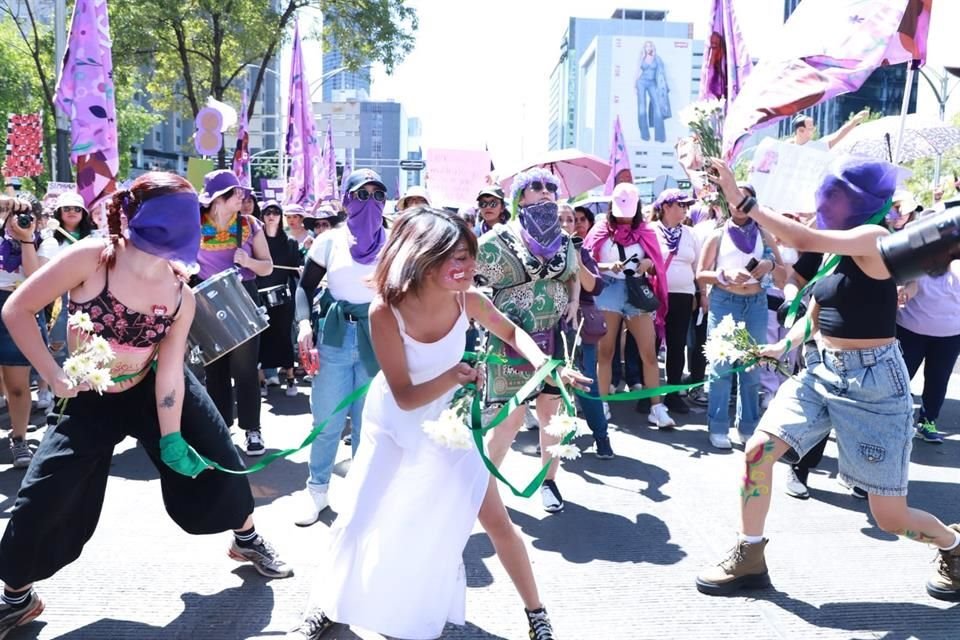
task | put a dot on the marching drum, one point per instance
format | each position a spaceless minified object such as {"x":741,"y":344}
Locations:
{"x":226,"y":317}
{"x":276,"y":296}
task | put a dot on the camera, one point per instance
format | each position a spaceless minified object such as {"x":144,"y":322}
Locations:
{"x":926,"y":247}
{"x":24,"y":220}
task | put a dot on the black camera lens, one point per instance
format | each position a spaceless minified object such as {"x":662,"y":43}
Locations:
{"x":24,"y":220}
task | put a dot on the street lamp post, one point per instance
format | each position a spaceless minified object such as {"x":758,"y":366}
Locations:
{"x":942,"y":93}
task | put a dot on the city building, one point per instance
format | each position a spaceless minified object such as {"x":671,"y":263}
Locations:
{"x":355,"y":82}
{"x":383,"y":142}
{"x":611,"y":82}
{"x":881,"y":93}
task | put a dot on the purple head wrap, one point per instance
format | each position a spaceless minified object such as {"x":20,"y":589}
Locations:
{"x":166,"y":226}
{"x":853,"y":190}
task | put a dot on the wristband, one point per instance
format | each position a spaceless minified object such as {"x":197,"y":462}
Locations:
{"x":743,"y":202}
{"x":747,"y":205}
{"x":26,"y":242}
{"x":180,"y":456}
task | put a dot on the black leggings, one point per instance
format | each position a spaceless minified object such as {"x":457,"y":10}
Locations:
{"x":678,"y":324}
{"x":237,"y":367}
{"x":938,"y":356}
{"x":61,"y":496}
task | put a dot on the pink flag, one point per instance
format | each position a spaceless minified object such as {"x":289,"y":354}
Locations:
{"x":85,"y":94}
{"x":347,"y":170}
{"x":329,"y":165}
{"x":726,"y":62}
{"x":304,"y":184}
{"x":241,"y":155}
{"x":619,"y":160}
{"x":827,"y":47}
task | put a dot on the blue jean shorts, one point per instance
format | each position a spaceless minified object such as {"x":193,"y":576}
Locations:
{"x":613,"y":298}
{"x":863,"y":394}
{"x":10,"y":355}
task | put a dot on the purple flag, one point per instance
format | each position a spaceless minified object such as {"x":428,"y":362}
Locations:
{"x":347,"y":170}
{"x":241,"y":156}
{"x":827,"y":47}
{"x":726,"y":62}
{"x":619,"y":160}
{"x":329,"y":165}
{"x":306,"y":165}
{"x":85,"y":94}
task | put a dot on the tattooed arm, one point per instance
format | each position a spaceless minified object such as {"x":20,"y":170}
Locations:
{"x":170,"y":385}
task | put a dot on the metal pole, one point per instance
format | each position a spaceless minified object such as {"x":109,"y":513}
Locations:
{"x":908,"y":90}
{"x":62,"y":165}
{"x":942,"y":100}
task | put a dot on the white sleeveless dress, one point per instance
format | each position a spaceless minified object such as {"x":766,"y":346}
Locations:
{"x":395,"y":565}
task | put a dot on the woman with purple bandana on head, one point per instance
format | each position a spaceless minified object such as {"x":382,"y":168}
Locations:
{"x":347,"y":256}
{"x":134,"y":295}
{"x":855,"y":381}
{"x":232,"y":239}
{"x":532,"y":268}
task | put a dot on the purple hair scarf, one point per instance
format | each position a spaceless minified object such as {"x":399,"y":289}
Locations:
{"x":168,"y":227}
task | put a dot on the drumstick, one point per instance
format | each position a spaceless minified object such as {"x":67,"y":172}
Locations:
{"x":66,"y":234}
{"x":280,"y":266}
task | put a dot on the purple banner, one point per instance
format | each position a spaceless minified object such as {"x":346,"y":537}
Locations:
{"x":85,"y":94}
{"x":241,"y":156}
{"x":303,"y":149}
{"x":726,"y":62}
{"x":330,"y":165}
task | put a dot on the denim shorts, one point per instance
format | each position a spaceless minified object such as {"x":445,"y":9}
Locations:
{"x":613,"y":298}
{"x":10,"y":355}
{"x":864,"y":395}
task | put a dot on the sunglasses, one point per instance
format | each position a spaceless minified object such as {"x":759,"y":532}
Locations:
{"x":488,"y":204}
{"x":536,"y":185}
{"x":271,"y":212}
{"x":378,"y":195}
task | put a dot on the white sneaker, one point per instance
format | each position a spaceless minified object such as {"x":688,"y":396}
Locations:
{"x":550,"y":495}
{"x":659,"y":417}
{"x":720,"y":441}
{"x":263,"y":390}
{"x":273,"y":381}
{"x":44,"y":399}
{"x":636,"y":387}
{"x":606,"y":410}
{"x":291,"y":390}
{"x":318,"y":501}
{"x":795,"y":488}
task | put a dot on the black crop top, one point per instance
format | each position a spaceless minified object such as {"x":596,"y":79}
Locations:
{"x":854,"y":305}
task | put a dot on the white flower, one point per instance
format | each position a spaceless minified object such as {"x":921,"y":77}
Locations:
{"x":564,"y":451}
{"x":741,"y":326}
{"x":711,"y":106}
{"x":449,"y":430}
{"x":562,"y":424}
{"x":75,"y":367}
{"x":725,"y":327}
{"x":81,"y":321}
{"x":99,"y":350}
{"x":99,"y":379}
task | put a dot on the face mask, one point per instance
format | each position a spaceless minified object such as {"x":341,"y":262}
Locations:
{"x":540,"y":228}
{"x":365,"y":222}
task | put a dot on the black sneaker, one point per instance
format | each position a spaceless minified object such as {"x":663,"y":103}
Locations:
{"x":604,"y":450}
{"x":540,"y":627}
{"x":264,"y":557}
{"x":254,"y":444}
{"x":314,"y":625}
{"x":11,"y":618}
{"x":676,"y":404}
{"x":550,"y":495}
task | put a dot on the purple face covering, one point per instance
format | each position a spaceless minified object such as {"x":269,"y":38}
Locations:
{"x":168,"y":227}
{"x":365,"y":222}
{"x":540,"y":229}
{"x":852,"y":191}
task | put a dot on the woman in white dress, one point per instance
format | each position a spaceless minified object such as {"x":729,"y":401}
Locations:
{"x":395,"y":563}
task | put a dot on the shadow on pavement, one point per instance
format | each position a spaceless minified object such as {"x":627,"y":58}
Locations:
{"x":605,"y":472}
{"x":895,"y":620}
{"x":477,"y":550}
{"x":469,"y":630}
{"x":645,"y":540}
{"x":226,"y":614}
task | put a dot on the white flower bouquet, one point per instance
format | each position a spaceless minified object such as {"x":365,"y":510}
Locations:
{"x":731,"y":343}
{"x":90,"y":362}
{"x":705,"y":119}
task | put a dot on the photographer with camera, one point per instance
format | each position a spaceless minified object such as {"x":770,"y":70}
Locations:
{"x":21,"y":253}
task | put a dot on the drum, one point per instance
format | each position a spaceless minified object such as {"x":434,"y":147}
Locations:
{"x":226,"y":317}
{"x":276,"y":296}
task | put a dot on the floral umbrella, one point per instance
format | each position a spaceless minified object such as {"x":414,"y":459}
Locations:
{"x":923,"y":137}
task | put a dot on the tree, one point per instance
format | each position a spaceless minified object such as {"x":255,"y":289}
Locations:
{"x":202,"y":48}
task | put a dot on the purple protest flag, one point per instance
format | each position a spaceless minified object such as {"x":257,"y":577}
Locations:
{"x":85,"y":94}
{"x":303,"y":149}
{"x":347,"y":170}
{"x":827,"y":47}
{"x":619,"y":160}
{"x":241,"y":155}
{"x":329,"y":165}
{"x":726,"y":62}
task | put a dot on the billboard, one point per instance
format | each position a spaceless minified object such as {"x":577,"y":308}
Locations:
{"x":651,"y":82}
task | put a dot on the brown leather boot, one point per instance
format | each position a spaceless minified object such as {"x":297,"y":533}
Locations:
{"x":945,"y":583}
{"x":743,"y":568}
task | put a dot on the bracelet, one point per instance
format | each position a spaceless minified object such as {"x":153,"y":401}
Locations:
{"x":743,"y":202}
{"x":747,"y":205}
{"x":25,"y":242}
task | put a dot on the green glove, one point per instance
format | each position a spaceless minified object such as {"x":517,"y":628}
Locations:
{"x":180,"y":456}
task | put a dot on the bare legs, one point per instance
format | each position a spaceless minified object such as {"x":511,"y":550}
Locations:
{"x":504,"y":435}
{"x":17,"y":383}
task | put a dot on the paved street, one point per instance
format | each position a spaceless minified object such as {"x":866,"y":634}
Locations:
{"x":619,"y":562}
